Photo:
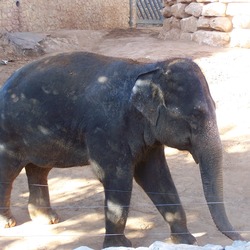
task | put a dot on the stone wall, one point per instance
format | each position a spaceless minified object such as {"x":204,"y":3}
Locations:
{"x":212,"y":22}
{"x":45,"y":15}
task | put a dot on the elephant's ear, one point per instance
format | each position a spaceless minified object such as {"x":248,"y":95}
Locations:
{"x":147,"y":97}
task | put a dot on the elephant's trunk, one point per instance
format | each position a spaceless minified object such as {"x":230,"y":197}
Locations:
{"x":209,"y":156}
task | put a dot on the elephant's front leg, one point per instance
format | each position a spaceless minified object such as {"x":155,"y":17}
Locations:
{"x":154,"y":177}
{"x":117,"y":182}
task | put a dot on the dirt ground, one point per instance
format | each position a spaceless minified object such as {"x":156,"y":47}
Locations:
{"x":77,"y":195}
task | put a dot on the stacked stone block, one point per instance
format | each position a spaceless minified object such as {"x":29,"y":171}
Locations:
{"x":212,"y":22}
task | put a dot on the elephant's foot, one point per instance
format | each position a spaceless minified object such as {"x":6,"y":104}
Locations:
{"x":7,"y":221}
{"x":234,"y":235}
{"x":116,"y":241}
{"x":185,"y":238}
{"x":43,"y":215}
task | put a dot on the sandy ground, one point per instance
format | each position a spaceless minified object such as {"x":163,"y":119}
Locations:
{"x":77,"y":195}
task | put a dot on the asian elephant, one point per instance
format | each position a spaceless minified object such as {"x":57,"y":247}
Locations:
{"x":74,"y":109}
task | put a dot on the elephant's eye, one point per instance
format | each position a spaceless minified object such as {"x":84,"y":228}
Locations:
{"x":197,"y":113}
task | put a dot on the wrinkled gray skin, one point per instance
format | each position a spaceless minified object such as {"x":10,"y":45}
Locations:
{"x":79,"y":108}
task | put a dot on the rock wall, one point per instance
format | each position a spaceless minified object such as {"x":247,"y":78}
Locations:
{"x":45,"y":15}
{"x":212,"y":22}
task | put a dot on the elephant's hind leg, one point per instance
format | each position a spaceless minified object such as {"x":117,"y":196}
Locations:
{"x":154,"y":177}
{"x":39,"y":201}
{"x":10,"y":168}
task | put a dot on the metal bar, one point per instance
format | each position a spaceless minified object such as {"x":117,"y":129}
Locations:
{"x":131,"y":14}
{"x":144,"y":8}
{"x":157,"y":9}
{"x":158,"y":22}
{"x":150,"y":10}
{"x":154,"y":10}
{"x":140,"y":11}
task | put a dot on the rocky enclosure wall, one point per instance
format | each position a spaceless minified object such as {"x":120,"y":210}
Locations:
{"x":45,"y":15}
{"x":212,"y":22}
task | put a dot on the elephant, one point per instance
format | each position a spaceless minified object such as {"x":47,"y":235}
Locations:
{"x":79,"y":108}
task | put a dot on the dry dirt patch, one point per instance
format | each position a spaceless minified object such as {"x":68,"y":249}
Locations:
{"x":77,"y":195}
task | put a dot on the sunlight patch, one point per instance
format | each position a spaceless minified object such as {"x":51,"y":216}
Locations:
{"x":114,"y":211}
{"x":239,"y":148}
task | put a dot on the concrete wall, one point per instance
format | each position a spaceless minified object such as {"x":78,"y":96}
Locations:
{"x":45,"y":15}
{"x":212,"y":22}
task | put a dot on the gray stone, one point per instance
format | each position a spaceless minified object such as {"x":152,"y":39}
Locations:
{"x":178,"y":10}
{"x":169,"y":2}
{"x":214,"y":9}
{"x":203,"y":22}
{"x":167,"y":11}
{"x":28,"y":43}
{"x":212,"y":38}
{"x":221,"y":24}
{"x":175,"y":23}
{"x":186,"y":36}
{"x":169,"y":24}
{"x":189,"y":24}
{"x":173,"y":34}
{"x":194,"y":9}
{"x":166,"y":25}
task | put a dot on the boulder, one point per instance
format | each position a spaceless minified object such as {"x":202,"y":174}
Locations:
{"x":178,"y":10}
{"x":173,"y":34}
{"x":27,"y":43}
{"x":166,"y":12}
{"x":186,"y":36}
{"x":221,"y":24}
{"x":175,"y":23}
{"x":203,"y":22}
{"x":189,"y":24}
{"x":170,"y":23}
{"x":194,"y":9}
{"x":169,"y":2}
{"x":212,"y":38}
{"x":214,"y":9}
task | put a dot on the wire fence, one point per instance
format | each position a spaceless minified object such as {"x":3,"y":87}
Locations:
{"x":188,"y":205}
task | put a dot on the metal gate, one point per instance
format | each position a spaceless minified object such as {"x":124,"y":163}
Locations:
{"x":149,"y":12}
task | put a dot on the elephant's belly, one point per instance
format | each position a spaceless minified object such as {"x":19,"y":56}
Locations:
{"x":58,"y":154}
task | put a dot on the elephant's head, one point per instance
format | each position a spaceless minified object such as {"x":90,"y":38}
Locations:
{"x":175,"y":100}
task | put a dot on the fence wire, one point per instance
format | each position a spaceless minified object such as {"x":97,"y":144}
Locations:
{"x":188,"y":205}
